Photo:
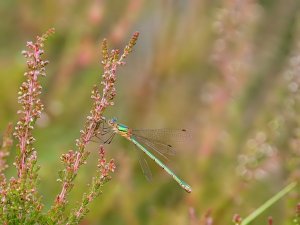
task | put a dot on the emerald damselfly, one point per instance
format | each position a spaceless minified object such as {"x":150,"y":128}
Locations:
{"x":148,"y":141}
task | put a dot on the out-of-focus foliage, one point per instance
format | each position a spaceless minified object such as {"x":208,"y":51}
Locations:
{"x":226,"y":70}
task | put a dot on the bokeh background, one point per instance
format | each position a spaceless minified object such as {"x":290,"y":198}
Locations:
{"x":226,"y":70}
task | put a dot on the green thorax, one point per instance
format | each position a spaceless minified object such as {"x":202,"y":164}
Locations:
{"x":122,"y":128}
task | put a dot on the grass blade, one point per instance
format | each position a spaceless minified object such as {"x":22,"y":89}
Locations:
{"x":268,"y":203}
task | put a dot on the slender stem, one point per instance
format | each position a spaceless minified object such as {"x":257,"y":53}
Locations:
{"x":268,"y":203}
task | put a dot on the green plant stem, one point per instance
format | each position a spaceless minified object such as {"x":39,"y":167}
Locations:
{"x":268,"y":203}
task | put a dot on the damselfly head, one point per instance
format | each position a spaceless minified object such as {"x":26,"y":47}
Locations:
{"x":112,"y":121}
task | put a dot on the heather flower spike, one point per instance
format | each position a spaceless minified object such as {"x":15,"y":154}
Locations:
{"x":5,"y":144}
{"x":75,"y":159}
{"x":20,"y":202}
{"x":30,"y":101}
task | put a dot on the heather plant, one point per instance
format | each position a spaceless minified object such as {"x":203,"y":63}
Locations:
{"x":221,"y":69}
{"x":20,"y":202}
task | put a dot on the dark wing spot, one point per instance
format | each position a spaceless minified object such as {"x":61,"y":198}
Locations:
{"x":183,"y":130}
{"x":170,"y":146}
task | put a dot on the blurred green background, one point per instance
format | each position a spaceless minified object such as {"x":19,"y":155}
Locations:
{"x":226,"y":70}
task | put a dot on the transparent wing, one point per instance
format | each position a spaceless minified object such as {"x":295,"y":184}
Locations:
{"x":160,"y":139}
{"x":162,"y":135}
{"x":161,"y":149}
{"x":104,"y":134}
{"x":103,"y":138}
{"x":144,"y":165}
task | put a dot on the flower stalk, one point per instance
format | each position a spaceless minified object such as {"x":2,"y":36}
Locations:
{"x":20,"y":202}
{"x":73,"y":160}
